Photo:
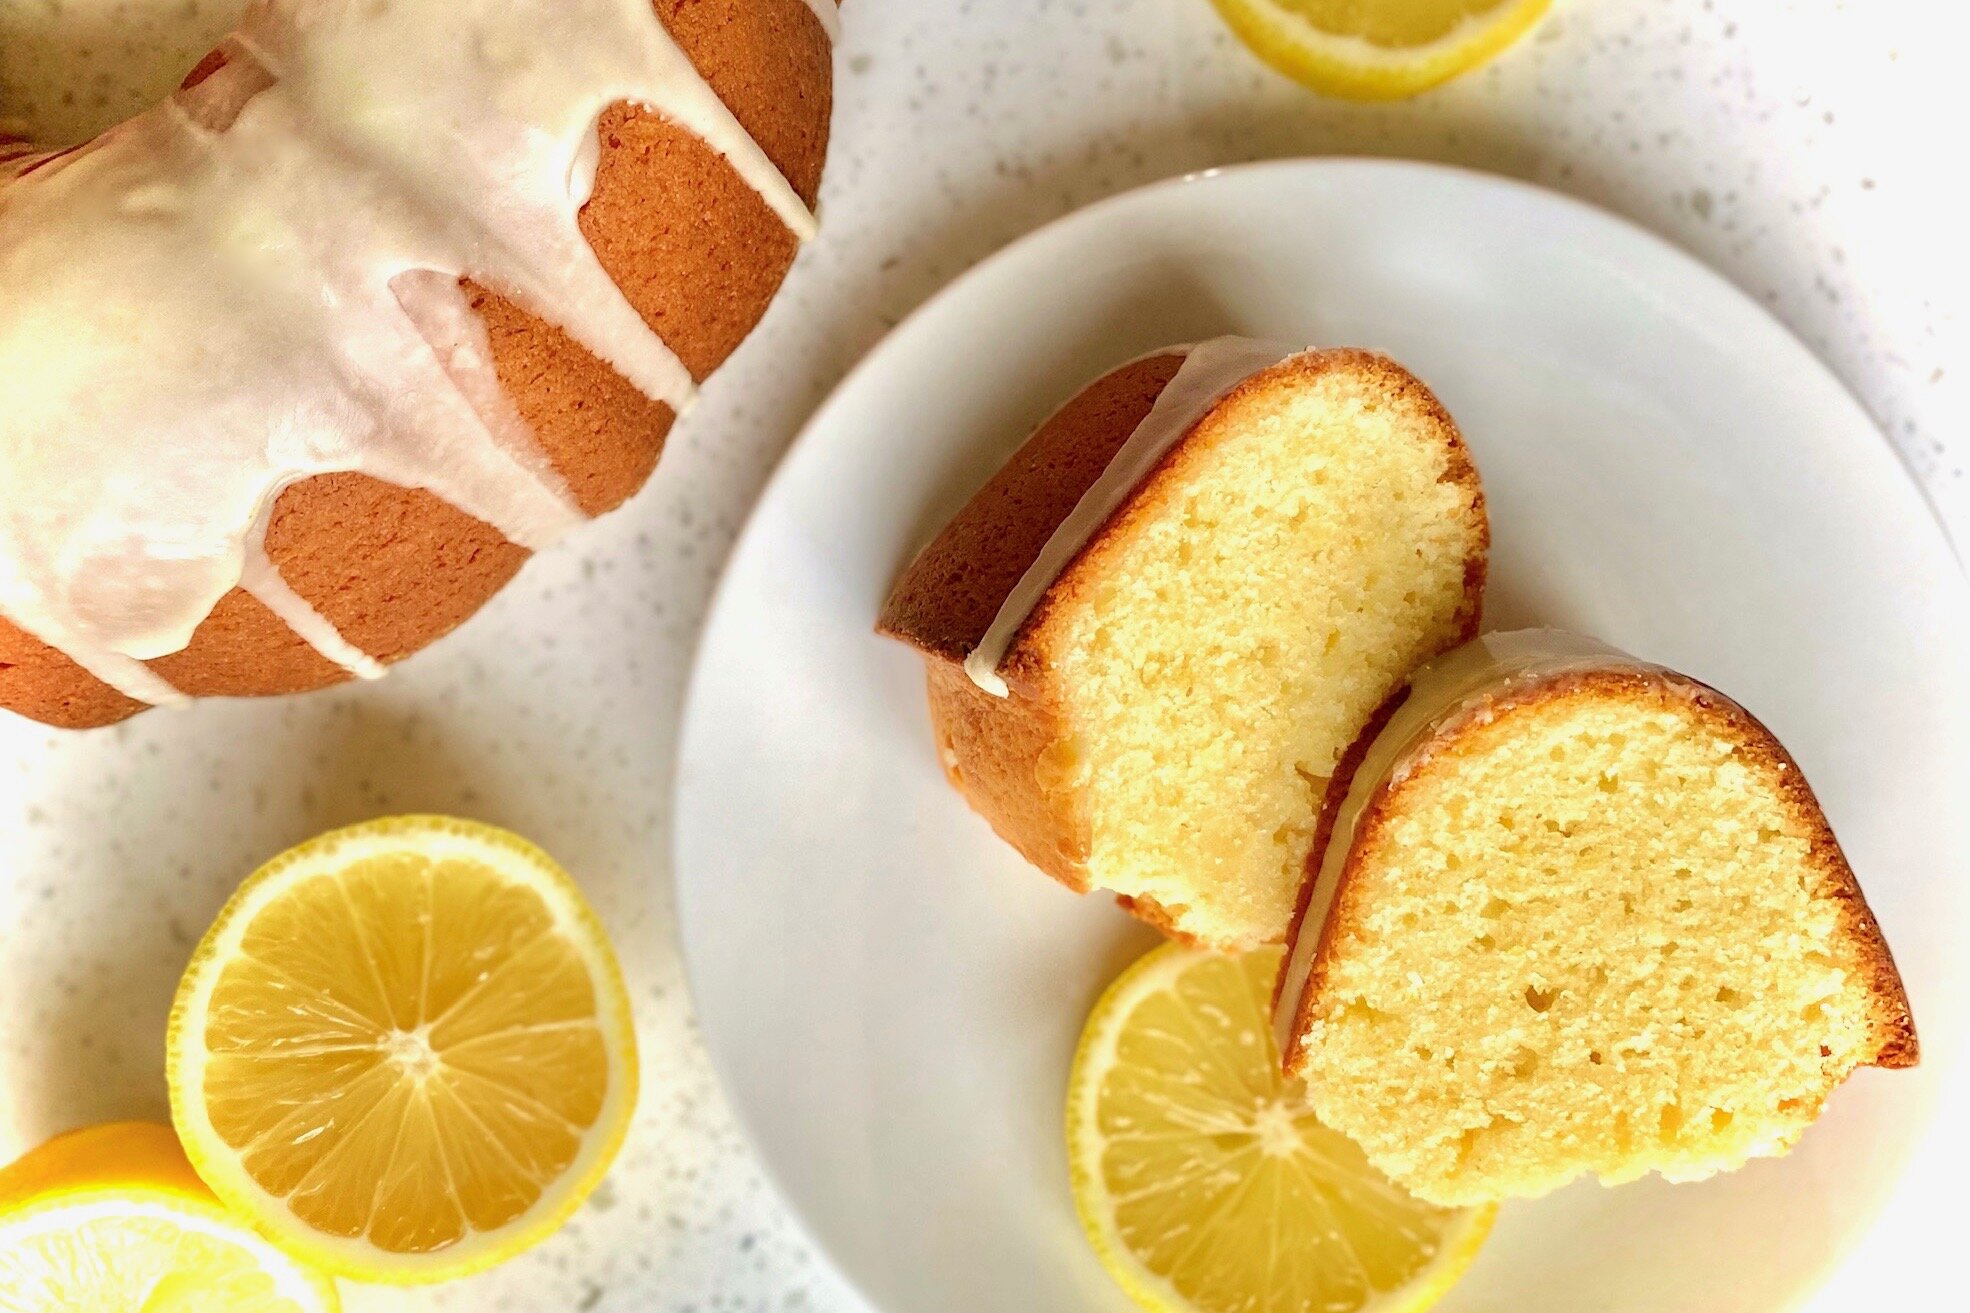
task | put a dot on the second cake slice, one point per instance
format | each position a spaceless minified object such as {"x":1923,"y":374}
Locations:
{"x":1153,"y":633}
{"x":1572,"y":912}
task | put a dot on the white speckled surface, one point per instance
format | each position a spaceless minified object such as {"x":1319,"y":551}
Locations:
{"x":1789,"y":144}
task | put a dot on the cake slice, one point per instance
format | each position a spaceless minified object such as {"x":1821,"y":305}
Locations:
{"x":1152,"y":634}
{"x":1569,"y":912}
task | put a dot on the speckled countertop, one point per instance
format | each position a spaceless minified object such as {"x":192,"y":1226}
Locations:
{"x":1789,"y":144}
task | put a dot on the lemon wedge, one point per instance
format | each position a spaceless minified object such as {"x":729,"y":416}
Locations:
{"x":1205,"y":1184}
{"x":1380,"y":50}
{"x":404,"y":1049}
{"x":112,"y":1220}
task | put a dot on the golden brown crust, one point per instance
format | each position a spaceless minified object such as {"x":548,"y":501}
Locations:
{"x":698,"y":254}
{"x":42,"y":684}
{"x":949,"y":595}
{"x":1896,"y":1044}
{"x":991,"y":747}
{"x":1893,"y":1022}
{"x":997,"y":751}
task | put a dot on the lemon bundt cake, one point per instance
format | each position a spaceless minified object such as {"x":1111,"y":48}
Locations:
{"x":1151,"y":635}
{"x":297,"y":367}
{"x":1568,"y":913}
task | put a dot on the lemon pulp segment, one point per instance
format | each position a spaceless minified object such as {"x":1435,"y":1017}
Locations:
{"x":1205,"y":1182}
{"x":409,"y":1043}
{"x":112,"y":1220}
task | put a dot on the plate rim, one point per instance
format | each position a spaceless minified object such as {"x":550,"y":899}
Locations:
{"x":692,"y":710}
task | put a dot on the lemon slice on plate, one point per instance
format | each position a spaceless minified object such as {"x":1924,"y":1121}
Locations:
{"x":1204,"y":1182}
{"x":112,"y":1219}
{"x":404,"y":1049}
{"x":1380,"y":50}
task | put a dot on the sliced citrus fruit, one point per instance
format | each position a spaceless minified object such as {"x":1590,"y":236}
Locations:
{"x":404,"y":1049}
{"x":1204,"y":1182}
{"x":1379,"y":50}
{"x":112,"y":1219}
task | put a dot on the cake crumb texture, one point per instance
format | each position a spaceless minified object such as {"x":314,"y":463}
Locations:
{"x":1601,"y":929}
{"x":1219,"y":644}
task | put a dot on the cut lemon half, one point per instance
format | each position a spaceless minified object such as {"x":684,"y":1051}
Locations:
{"x":1204,"y":1182}
{"x":1380,"y":50}
{"x":112,"y":1220}
{"x":404,"y":1049}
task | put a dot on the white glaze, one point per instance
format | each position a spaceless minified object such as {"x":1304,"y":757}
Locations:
{"x":1457,"y":682}
{"x":199,"y":318}
{"x":1209,"y":371}
{"x":261,"y":578}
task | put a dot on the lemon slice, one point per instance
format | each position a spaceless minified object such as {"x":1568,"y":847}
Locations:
{"x":404,"y":1049}
{"x":1380,"y":50}
{"x":112,"y":1220}
{"x":1204,"y":1182}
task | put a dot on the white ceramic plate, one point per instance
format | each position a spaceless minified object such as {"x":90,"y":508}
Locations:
{"x":892,"y":996}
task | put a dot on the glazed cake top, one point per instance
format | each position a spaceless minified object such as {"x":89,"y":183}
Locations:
{"x":256,"y":282}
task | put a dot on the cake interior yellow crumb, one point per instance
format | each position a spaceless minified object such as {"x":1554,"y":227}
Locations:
{"x":1591,"y":937}
{"x":1242,"y":627}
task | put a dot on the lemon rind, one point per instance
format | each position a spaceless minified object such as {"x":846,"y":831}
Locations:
{"x":1353,"y":68}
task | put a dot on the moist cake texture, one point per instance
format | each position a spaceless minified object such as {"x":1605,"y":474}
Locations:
{"x":1573,"y":913}
{"x":1180,"y":692}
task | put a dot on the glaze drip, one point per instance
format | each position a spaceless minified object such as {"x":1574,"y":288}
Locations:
{"x":255,"y":282}
{"x":1209,"y":371}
